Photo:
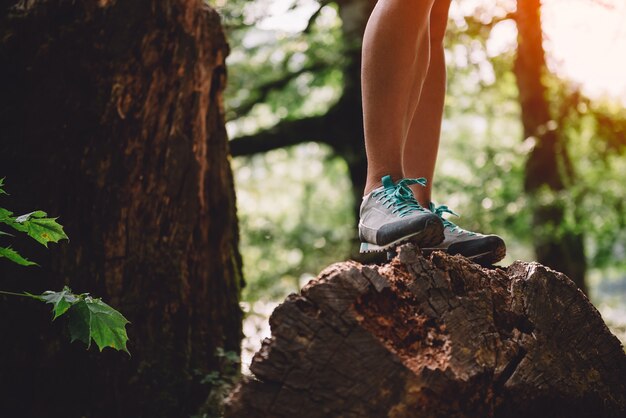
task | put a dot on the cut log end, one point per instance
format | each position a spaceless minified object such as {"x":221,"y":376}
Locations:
{"x":437,"y":337}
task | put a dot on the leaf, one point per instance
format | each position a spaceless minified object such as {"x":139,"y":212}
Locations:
{"x":37,"y":226}
{"x":91,"y":318}
{"x":78,"y":323}
{"x":35,"y":214}
{"x":62,"y":301}
{"x":5,"y":215}
{"x":2,"y":186}
{"x":88,"y":318}
{"x":107,"y":326}
{"x":211,"y":378}
{"x":5,"y":234}
{"x":11,"y":254}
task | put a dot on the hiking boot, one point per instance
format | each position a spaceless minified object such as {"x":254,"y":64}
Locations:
{"x":390,"y":216}
{"x":482,"y":249}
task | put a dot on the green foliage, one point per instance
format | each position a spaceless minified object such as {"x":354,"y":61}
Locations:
{"x":35,"y":224}
{"x":93,"y":319}
{"x":280,"y":74}
{"x":220,"y":382}
{"x":295,"y":215}
{"x":61,"y":301}
{"x":229,"y":366}
{"x":295,"y":205}
{"x":482,"y":120}
{"x":287,"y":239}
{"x":273,"y":75}
{"x":39,"y":227}
{"x":88,"y":318}
{"x":12,"y":255}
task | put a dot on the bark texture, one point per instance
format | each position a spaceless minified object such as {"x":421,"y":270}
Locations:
{"x":112,"y":119}
{"x":438,"y":337}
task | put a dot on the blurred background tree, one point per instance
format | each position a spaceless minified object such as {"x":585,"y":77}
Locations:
{"x":532,"y":148}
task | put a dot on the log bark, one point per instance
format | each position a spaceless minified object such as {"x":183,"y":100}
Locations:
{"x":112,"y":119}
{"x":437,"y":337}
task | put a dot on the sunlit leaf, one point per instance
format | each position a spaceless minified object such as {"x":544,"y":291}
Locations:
{"x":40,"y":228}
{"x":34,"y":214}
{"x":5,"y":215}
{"x":11,"y":254}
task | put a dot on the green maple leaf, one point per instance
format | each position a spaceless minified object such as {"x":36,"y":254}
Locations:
{"x":5,"y":216}
{"x":61,"y":301}
{"x":39,"y":227}
{"x":35,"y":214}
{"x":79,"y":324}
{"x":89,"y":319}
{"x":11,"y":254}
{"x":92,"y":319}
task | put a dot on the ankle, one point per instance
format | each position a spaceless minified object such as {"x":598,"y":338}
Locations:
{"x":370,"y":187}
{"x":374,"y":181}
{"x":422,"y":195}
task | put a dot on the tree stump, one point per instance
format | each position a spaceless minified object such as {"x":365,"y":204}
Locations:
{"x":437,"y":337}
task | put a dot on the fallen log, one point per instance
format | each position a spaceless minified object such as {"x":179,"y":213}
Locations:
{"x":437,"y":337}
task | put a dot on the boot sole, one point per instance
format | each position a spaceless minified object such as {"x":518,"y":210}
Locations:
{"x":486,"y":258}
{"x":432,"y":234}
{"x":489,"y":257}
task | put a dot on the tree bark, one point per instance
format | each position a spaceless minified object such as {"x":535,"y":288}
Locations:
{"x":548,"y":164}
{"x":437,"y":337}
{"x":112,"y":119}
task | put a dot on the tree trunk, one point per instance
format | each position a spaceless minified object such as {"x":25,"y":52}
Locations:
{"x":547,"y":165}
{"x":112,"y":119}
{"x":438,"y":337}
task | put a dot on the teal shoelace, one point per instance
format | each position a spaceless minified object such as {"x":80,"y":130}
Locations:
{"x":399,"y":196}
{"x":440,"y":211}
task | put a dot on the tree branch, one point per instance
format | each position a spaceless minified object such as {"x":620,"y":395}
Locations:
{"x":285,"y":133}
{"x":313,"y":18}
{"x":265,"y":89}
{"x":473,"y":22}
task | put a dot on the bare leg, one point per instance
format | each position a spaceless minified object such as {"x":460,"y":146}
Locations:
{"x":396,"y":55}
{"x":420,"y":150}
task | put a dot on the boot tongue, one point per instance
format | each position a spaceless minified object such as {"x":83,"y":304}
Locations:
{"x":388,"y":182}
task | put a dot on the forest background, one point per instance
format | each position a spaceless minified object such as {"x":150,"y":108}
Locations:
{"x":113,"y":121}
{"x":289,"y":70}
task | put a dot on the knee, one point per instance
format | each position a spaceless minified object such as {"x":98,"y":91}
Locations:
{"x":420,"y":8}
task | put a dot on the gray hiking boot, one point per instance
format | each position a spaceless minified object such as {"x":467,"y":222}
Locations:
{"x":482,"y":249}
{"x":390,"y":216}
